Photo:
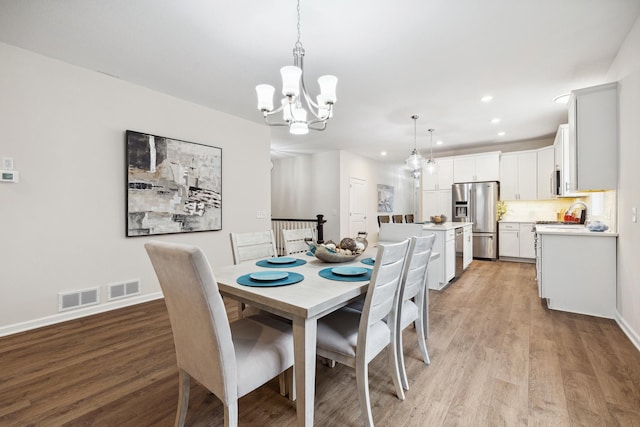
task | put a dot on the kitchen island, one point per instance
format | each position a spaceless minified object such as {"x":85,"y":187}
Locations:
{"x":443,"y":269}
{"x":576,"y":269}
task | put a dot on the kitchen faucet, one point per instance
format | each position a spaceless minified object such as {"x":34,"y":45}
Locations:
{"x":574,"y":204}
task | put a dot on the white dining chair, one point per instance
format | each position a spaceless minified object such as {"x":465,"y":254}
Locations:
{"x":295,"y":240}
{"x":354,"y":338}
{"x":413,"y":308}
{"x":252,"y":245}
{"x":230,"y":360}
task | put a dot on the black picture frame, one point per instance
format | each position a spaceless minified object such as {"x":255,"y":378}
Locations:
{"x":172,"y":186}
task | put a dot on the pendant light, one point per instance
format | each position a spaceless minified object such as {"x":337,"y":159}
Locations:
{"x":415,"y":160}
{"x":431,"y":165}
{"x":299,"y":116}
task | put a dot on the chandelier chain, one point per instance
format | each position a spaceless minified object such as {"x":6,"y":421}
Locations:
{"x":298,"y":43}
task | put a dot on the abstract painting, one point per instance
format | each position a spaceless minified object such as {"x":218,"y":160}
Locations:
{"x":385,"y":198}
{"x":173,"y":186}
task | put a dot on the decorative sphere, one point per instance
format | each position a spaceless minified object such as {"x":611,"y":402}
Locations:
{"x":348,"y":243}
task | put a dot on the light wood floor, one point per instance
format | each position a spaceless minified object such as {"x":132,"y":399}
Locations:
{"x":499,"y":357}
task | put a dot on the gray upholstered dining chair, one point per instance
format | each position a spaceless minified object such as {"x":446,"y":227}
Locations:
{"x":354,"y":338}
{"x":413,"y":307}
{"x":229,"y":359}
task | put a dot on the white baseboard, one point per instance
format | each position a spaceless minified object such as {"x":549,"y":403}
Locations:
{"x":76,"y":314}
{"x":628,"y":331}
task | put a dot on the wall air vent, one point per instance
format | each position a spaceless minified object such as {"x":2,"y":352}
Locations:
{"x":123,"y":289}
{"x":78,"y":299}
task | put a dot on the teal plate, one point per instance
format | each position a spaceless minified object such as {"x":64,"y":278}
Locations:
{"x":268,"y":276}
{"x":349,"y":271}
{"x":328,"y":274}
{"x":291,"y":278}
{"x":281,"y":260}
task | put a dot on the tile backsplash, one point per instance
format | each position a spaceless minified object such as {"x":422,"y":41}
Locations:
{"x":601,"y":206}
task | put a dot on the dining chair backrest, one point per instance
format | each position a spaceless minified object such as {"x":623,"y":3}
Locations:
{"x":383,"y":219}
{"x":397,"y":219}
{"x":295,"y":240}
{"x":382,"y":293}
{"x":252,"y":245}
{"x":201,"y":331}
{"x":408,"y":218}
{"x":415,"y":277}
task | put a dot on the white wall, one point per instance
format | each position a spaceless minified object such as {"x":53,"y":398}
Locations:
{"x":626,"y":70}
{"x":374,"y":173}
{"x":63,"y":226}
{"x":304,"y":186}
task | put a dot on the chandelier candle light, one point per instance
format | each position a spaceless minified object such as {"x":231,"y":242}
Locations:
{"x":415,"y":160}
{"x":294,"y":113}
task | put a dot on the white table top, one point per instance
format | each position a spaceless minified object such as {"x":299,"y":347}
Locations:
{"x":315,"y":296}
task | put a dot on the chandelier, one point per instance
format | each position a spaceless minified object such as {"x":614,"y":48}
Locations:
{"x":431,"y":165}
{"x":415,"y":160}
{"x":299,"y":116}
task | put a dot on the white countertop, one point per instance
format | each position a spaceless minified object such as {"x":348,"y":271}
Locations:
{"x":572,"y":230}
{"x":445,"y":226}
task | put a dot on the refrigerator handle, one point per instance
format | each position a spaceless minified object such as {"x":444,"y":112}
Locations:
{"x":472,"y":206}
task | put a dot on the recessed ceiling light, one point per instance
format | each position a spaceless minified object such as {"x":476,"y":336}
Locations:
{"x":496,"y":120}
{"x":502,"y":133}
{"x":439,"y":142}
{"x":562,"y":99}
{"x":383,"y":153}
{"x":486,"y":98}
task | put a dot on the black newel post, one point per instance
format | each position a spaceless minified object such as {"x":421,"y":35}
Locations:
{"x":319,"y":227}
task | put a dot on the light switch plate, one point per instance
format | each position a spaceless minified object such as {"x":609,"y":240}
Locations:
{"x":634,"y":215}
{"x":7,"y":163}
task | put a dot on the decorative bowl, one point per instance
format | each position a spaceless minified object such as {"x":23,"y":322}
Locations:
{"x":330,"y":253}
{"x":438,"y":219}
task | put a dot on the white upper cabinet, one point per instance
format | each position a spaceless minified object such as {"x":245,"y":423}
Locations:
{"x":593,"y":138}
{"x":546,"y":166}
{"x":477,"y":167}
{"x":562,"y":163}
{"x":518,"y":176}
{"x":442,"y":179}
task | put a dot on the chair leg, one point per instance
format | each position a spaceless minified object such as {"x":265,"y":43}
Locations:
{"x":362,"y":382}
{"x":231,"y":414}
{"x":394,"y":369}
{"x":401,"y":368}
{"x":184,"y":383}
{"x":287,"y":381}
{"x":422,"y":342}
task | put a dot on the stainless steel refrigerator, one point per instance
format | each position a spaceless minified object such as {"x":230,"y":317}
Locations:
{"x":476,"y":202}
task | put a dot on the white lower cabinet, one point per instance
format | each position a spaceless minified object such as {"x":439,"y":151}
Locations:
{"x":578,"y":273}
{"x":516,"y":241}
{"x":450,"y":257}
{"x":442,"y":270}
{"x":468,"y":246}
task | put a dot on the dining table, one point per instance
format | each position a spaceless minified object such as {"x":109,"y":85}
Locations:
{"x":303,"y":303}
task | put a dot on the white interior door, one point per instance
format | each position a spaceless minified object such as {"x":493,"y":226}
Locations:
{"x":357,"y":206}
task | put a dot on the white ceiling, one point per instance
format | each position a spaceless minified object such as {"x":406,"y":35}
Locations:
{"x":434,"y":58}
